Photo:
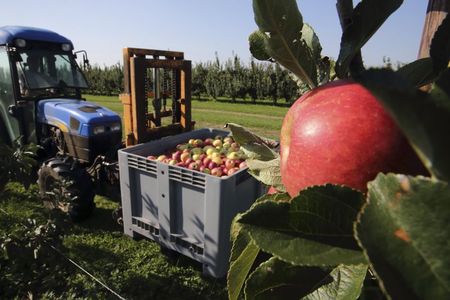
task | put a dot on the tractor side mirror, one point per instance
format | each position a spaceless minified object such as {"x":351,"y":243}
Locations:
{"x":86,"y":64}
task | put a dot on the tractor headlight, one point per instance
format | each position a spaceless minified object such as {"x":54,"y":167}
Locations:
{"x":116,"y":127}
{"x":20,"y":43}
{"x":98,"y":130}
{"x":66,"y":47}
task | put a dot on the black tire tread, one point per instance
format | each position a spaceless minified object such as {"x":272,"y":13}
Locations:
{"x":81,"y":189}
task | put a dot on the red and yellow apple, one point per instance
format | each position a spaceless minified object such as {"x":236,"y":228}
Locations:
{"x":339,"y":133}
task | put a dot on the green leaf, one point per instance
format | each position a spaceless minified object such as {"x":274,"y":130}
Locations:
{"x":243,"y":255}
{"x":366,"y":18}
{"x":253,"y":146}
{"x":275,"y":279}
{"x":404,"y":230}
{"x":257,"y":42}
{"x":323,"y":64}
{"x":419,"y":72}
{"x":313,"y":229}
{"x":346,"y":283}
{"x":440,"y":91}
{"x":267,"y":172}
{"x":424,"y":118}
{"x":440,"y":46}
{"x":282,"y":22}
{"x":312,"y":40}
{"x":262,"y":161}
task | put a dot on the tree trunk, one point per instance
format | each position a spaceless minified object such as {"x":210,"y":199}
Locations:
{"x":437,"y":10}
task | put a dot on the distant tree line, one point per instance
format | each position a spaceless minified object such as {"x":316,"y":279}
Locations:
{"x":231,"y":79}
{"x":107,"y":80}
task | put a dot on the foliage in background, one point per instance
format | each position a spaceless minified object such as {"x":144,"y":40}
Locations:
{"x":17,"y":162}
{"x":213,"y":79}
{"x":106,"y":80}
{"x":332,"y":242}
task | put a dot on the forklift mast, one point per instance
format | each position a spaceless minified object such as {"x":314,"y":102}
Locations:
{"x":151,"y":78}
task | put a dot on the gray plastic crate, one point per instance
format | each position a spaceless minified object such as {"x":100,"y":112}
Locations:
{"x":183,"y":210}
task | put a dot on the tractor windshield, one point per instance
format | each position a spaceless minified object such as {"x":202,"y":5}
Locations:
{"x":48,"y":70}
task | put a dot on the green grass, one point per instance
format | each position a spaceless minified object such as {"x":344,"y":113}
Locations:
{"x":134,"y":269}
{"x":262,"y":119}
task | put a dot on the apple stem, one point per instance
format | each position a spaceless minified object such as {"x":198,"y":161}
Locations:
{"x":345,"y":10}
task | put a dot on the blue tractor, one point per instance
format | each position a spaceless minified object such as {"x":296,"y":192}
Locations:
{"x":41,"y":102}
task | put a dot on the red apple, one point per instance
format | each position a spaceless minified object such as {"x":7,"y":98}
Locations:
{"x":176,"y":155}
{"x":232,"y":171}
{"x":206,"y":161}
{"x":272,"y":190}
{"x":151,"y":157}
{"x":212,"y":165}
{"x":208,"y":141}
{"x":229,"y":163}
{"x":193,"y":166}
{"x":216,"y":172}
{"x":243,"y":165}
{"x":339,"y":133}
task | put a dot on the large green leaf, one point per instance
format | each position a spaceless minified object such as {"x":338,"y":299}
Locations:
{"x":275,"y":279}
{"x":366,"y":18}
{"x":263,"y":162}
{"x":424,"y":118}
{"x":419,"y":72}
{"x":346,"y":284}
{"x":313,"y":229}
{"x":440,"y":46}
{"x":282,"y":22}
{"x":405,"y":232}
{"x":243,"y":255}
{"x":312,"y":41}
{"x":267,"y":172}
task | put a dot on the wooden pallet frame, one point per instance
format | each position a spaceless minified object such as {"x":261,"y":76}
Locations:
{"x":137,"y":127}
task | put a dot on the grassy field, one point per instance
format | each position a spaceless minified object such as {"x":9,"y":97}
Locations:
{"x":134,"y":269}
{"x":262,"y":119}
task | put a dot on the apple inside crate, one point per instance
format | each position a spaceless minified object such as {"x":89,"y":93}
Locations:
{"x":182,"y":208}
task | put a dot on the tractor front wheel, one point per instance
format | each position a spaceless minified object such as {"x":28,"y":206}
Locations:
{"x":68,"y":187}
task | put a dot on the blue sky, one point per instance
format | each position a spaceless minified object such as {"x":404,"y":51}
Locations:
{"x":200,"y":28}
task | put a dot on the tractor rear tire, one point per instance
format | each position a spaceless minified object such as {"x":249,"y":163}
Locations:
{"x":57,"y":178}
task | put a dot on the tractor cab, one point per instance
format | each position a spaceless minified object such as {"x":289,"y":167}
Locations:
{"x":35,"y":64}
{"x":41,"y":101}
{"x":47,"y":70}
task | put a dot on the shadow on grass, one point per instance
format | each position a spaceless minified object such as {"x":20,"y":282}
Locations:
{"x":156,"y":287}
{"x":100,"y":220}
{"x":141,"y":273}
